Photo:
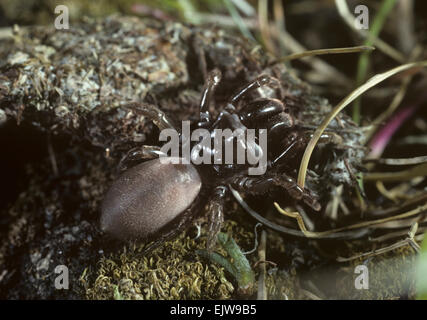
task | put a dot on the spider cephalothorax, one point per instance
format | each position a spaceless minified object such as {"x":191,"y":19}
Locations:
{"x":157,"y":201}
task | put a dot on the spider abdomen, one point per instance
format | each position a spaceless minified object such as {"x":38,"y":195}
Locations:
{"x":147,"y":197}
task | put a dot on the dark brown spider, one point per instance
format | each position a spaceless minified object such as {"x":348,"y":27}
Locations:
{"x":157,"y":201}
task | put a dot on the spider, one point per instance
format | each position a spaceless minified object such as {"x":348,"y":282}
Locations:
{"x":157,"y":201}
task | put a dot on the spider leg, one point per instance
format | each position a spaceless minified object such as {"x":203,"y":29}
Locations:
{"x":294,"y":190}
{"x":260,"y":185}
{"x":198,"y":45}
{"x":160,"y":119}
{"x":230,"y":119}
{"x":215,"y":215}
{"x":263,"y":109}
{"x":262,"y":80}
{"x":233,"y":122}
{"x":153,"y":113}
{"x":212,"y":80}
{"x":140,"y":153}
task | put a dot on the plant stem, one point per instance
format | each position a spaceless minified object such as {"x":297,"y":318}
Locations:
{"x":363,"y":64}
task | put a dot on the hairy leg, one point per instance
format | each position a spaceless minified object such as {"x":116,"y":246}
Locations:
{"x":160,"y":119}
{"x":262,"y":80}
{"x":153,"y":113}
{"x":212,"y":80}
{"x":215,"y":215}
{"x":261,"y":110}
{"x":260,"y":185}
{"x":139,"y":153}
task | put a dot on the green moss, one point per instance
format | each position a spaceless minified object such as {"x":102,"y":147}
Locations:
{"x":282,"y":285}
{"x":172,"y":271}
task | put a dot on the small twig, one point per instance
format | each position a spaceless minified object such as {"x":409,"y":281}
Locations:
{"x":225,"y":20}
{"x":404,"y":175}
{"x":397,"y":99}
{"x":354,"y":234}
{"x":245,"y":7}
{"x":329,"y":72}
{"x":338,"y":108}
{"x":402,"y":223}
{"x":310,"y":53}
{"x":308,"y":223}
{"x":262,"y":291}
{"x":386,"y":193}
{"x":365,"y":224}
{"x":408,"y":241}
{"x":234,"y":13}
{"x":413,"y":201}
{"x":256,"y":240}
{"x":411,"y":140}
{"x":399,"y":162}
{"x":299,"y":219}
{"x":310,"y":295}
{"x":400,"y":191}
{"x":279,"y":22}
{"x":348,"y":18}
{"x":273,"y":264}
{"x":397,"y":234}
{"x":317,"y":293}
{"x":364,"y":59}
{"x":405,"y":28}
{"x":264,"y":26}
